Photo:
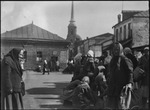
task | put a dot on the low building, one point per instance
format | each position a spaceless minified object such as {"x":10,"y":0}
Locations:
{"x":39,"y":44}
{"x":133,"y":30}
{"x":97,"y":43}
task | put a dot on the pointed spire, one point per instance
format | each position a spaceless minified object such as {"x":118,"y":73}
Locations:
{"x":72,"y":13}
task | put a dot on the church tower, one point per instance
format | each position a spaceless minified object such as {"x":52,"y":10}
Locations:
{"x":72,"y":27}
{"x":72,"y":33}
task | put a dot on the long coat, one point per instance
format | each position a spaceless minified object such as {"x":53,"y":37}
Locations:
{"x":144,"y":64}
{"x":11,"y":79}
{"x":121,"y":73}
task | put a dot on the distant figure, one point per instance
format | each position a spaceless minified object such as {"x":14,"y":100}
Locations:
{"x":57,"y":65}
{"x":45,"y":67}
{"x":11,"y":77}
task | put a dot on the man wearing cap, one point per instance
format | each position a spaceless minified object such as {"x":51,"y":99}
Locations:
{"x":144,"y":64}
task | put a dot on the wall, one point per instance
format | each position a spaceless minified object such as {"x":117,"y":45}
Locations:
{"x":122,"y":37}
{"x":140,"y":32}
{"x":47,"y":52}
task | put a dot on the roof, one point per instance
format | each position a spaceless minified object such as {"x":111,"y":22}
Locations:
{"x":131,"y":11}
{"x":143,"y":14}
{"x":31,"y":31}
{"x":101,"y":36}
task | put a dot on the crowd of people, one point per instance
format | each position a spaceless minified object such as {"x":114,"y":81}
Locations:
{"x":95,"y":84}
{"x":48,"y":66}
{"x":103,"y":83}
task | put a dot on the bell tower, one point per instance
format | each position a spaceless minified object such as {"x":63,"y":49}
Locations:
{"x":72,"y":27}
{"x":72,"y":36}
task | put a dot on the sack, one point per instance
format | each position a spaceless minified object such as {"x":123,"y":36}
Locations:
{"x":138,"y":73}
{"x":125,"y":98}
{"x":136,"y":99}
{"x":23,"y":88}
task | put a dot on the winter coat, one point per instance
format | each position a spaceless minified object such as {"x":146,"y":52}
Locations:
{"x":121,"y":73}
{"x":10,"y":77}
{"x":82,"y":96}
{"x":144,"y":64}
{"x":133,"y":59}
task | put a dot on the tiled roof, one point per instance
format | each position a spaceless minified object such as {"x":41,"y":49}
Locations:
{"x":30,"y":31}
{"x":142,"y":14}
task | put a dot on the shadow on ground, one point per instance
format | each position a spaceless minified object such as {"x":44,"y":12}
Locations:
{"x":52,"y":92}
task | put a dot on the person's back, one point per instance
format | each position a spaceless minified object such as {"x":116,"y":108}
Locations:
{"x":82,"y":97}
{"x":128,"y":54}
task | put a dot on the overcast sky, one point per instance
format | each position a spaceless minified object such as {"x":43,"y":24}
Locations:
{"x":91,"y":17}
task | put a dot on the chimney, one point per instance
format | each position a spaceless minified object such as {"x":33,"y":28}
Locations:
{"x":119,"y":18}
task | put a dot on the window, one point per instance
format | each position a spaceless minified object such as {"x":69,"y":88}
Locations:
{"x":120,"y":34}
{"x":124,"y":31}
{"x":25,"y":55}
{"x":117,"y":35}
{"x":39,"y":56}
{"x":129,"y":30}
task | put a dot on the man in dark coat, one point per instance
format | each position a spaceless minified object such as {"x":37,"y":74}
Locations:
{"x":128,"y":54}
{"x":11,"y":77}
{"x":120,"y":75}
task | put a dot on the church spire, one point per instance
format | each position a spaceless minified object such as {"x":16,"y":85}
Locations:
{"x":72,"y":13}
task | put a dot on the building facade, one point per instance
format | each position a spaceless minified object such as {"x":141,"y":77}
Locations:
{"x":133,"y":30}
{"x":98,"y":44}
{"x":38,"y":43}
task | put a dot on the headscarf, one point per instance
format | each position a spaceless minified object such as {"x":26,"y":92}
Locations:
{"x":77,"y":58}
{"x":90,"y":53}
{"x":117,"y":52}
{"x":117,"y":49}
{"x":86,"y":79}
{"x":127,"y":50}
{"x":12,"y":59}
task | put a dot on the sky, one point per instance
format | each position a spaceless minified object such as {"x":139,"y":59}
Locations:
{"x":92,"y":18}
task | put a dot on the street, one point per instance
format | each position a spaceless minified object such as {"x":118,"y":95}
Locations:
{"x":44,"y":91}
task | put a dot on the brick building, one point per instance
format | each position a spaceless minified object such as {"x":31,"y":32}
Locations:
{"x":38,"y":43}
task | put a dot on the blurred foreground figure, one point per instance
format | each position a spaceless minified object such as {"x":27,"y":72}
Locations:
{"x":11,"y":77}
{"x":144,"y":83}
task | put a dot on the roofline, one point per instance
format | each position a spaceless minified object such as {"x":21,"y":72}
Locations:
{"x":100,"y":35}
{"x":133,"y":16}
{"x":125,"y":11}
{"x":40,"y":40}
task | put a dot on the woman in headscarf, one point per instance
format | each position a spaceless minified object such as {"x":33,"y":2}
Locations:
{"x":120,"y":75}
{"x":128,"y":54}
{"x":11,"y":77}
{"x":89,"y":69}
{"x":77,"y":69}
